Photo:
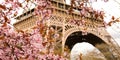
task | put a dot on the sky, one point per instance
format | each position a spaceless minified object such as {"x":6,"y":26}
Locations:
{"x":82,"y":48}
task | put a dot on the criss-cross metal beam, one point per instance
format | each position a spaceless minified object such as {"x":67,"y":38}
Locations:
{"x":65,"y":24}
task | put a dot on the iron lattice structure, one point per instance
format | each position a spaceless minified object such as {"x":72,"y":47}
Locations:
{"x":64,"y":25}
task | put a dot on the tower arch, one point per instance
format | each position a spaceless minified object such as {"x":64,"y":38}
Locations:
{"x":96,"y":41}
{"x":96,"y":32}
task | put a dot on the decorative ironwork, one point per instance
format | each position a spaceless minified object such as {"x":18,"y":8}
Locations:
{"x":65,"y":24}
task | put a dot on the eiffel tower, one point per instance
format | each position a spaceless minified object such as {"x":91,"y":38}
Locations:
{"x":71,"y":31}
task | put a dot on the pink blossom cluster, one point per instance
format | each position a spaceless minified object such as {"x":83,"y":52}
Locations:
{"x":91,"y":13}
{"x":15,"y":45}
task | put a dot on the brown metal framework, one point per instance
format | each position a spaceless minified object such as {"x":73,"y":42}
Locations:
{"x":60,"y":19}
